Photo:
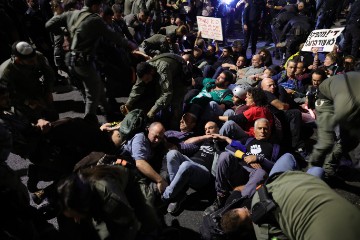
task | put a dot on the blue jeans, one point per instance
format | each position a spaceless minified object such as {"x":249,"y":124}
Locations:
{"x":287,"y":162}
{"x":233,"y":130}
{"x":183,"y":172}
{"x":230,"y":174}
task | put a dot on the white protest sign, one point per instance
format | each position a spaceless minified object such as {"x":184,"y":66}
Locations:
{"x":322,"y":39}
{"x":210,"y":27}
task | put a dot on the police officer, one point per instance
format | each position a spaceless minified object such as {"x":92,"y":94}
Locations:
{"x":295,"y":32}
{"x":29,"y":79}
{"x":352,"y":33}
{"x":337,"y":105}
{"x":326,"y":13}
{"x":161,"y":75}
{"x":86,"y":27}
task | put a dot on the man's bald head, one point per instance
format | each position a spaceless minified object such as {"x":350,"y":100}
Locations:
{"x":267,"y":84}
{"x":156,"y":133}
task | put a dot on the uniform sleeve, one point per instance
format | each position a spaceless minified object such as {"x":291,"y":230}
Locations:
{"x":55,"y":23}
{"x":119,"y":216}
{"x":136,"y":91}
{"x":325,"y":131}
{"x":166,"y":86}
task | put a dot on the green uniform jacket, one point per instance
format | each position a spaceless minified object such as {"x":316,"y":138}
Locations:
{"x":308,"y":209}
{"x":336,"y":107}
{"x":87,"y":34}
{"x":170,"y":90}
{"x":115,"y":217}
{"x":157,"y":44}
{"x":28,"y":83}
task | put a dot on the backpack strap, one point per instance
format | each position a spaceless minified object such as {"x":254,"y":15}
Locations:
{"x":81,"y":17}
{"x":226,"y":93}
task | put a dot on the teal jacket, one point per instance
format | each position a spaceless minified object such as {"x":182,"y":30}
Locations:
{"x":208,"y":94}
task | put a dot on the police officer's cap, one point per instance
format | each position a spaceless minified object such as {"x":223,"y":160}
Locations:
{"x":23,"y":50}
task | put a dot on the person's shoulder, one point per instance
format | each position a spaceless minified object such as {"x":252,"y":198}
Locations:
{"x":5,"y":65}
{"x":269,"y":94}
{"x":140,"y":136}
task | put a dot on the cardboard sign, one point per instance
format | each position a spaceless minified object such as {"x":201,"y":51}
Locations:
{"x":322,"y":39}
{"x":210,"y":27}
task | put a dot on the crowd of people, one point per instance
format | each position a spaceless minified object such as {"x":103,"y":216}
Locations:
{"x":199,"y":114}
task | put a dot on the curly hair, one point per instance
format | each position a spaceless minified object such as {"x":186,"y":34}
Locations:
{"x":258,"y":95}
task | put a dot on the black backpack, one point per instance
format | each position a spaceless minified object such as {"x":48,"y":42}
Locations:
{"x":210,"y":228}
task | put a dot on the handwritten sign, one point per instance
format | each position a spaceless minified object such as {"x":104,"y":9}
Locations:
{"x":322,"y":39}
{"x":210,"y":27}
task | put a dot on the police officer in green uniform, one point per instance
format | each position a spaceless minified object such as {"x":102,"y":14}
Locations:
{"x":86,"y":28}
{"x":337,"y":105}
{"x":166,"y":72}
{"x":159,"y":43}
{"x":29,"y":78}
{"x":306,"y":208}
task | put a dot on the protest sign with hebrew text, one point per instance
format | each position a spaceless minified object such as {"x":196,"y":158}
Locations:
{"x":210,"y":27}
{"x":322,"y":39}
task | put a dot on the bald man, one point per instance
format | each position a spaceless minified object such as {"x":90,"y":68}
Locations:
{"x":291,"y":119}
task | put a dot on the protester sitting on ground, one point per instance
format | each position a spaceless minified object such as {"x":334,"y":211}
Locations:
{"x":266,"y":57}
{"x":236,"y":49}
{"x":175,"y":139}
{"x":287,"y":78}
{"x":193,"y":171}
{"x":239,"y":95}
{"x":225,"y":57}
{"x":301,"y":74}
{"x":317,"y":77}
{"x":241,"y":126}
{"x":214,"y":98}
{"x":250,"y":75}
{"x":348,"y":64}
{"x":290,"y":118}
{"x":248,"y":165}
{"x":330,"y":64}
{"x":240,"y":63}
